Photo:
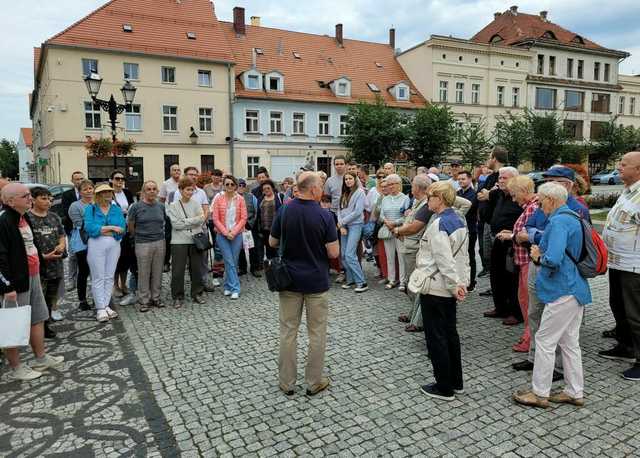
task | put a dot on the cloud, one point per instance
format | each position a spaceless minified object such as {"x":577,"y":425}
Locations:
{"x":30,"y":22}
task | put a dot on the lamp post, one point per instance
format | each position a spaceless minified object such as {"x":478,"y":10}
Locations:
{"x":93,"y":82}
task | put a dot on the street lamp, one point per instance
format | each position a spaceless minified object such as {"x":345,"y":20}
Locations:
{"x":93,"y":82}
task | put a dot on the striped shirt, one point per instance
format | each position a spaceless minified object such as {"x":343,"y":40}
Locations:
{"x":393,"y":207}
{"x":622,"y":231}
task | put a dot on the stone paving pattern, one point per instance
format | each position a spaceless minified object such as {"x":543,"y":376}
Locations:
{"x":211,"y":371}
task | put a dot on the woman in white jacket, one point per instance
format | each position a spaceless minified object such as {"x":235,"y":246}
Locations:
{"x":440,"y":277}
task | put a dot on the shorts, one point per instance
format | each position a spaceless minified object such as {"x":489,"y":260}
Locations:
{"x":35,"y":298}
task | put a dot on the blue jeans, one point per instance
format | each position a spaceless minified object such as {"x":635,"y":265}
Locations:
{"x":349,"y":255}
{"x":230,"y":252}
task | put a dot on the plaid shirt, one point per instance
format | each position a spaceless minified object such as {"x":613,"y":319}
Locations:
{"x":622,"y":231}
{"x":521,"y":254}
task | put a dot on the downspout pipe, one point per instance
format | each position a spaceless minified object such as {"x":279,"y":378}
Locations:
{"x":231,"y":127}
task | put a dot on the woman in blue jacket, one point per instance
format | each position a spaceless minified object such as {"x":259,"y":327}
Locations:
{"x":350,"y":221}
{"x":105,"y":226}
{"x":564,"y":292}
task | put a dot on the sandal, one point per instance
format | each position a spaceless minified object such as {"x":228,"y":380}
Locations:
{"x":413,"y":328}
{"x":403,"y":318}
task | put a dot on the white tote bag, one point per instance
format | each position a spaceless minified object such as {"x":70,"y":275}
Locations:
{"x":247,"y":240}
{"x":15,"y":326}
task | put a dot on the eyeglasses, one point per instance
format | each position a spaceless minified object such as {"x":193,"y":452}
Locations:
{"x":242,"y":185}
{"x":380,"y":177}
{"x":118,"y":178}
{"x":25,"y":195}
{"x":230,"y":185}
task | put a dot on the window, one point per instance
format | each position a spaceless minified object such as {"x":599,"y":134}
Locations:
{"x":596,"y":71}
{"x":515,"y":96}
{"x":621,"y":105}
{"x":569,"y":68}
{"x":580,"y":69}
{"x":573,"y":129}
{"x":204,"y":78}
{"x":342,"y":88}
{"x":92,"y":115}
{"x":275,"y":83}
{"x":632,"y":105}
{"x":573,"y":101}
{"x":402,"y":93}
{"x":207,"y":163}
{"x":458,"y":129}
{"x":540,"y":64}
{"x":275,"y":122}
{"x":251,"y":124}
{"x":607,"y":69}
{"x":552,"y":65}
{"x":323,"y":124}
{"x":444,"y":86}
{"x":545,"y":98}
{"x":253,"y":81}
{"x":500,"y":100}
{"x":133,"y":118}
{"x":600,"y":103}
{"x":169,"y":118}
{"x":89,"y":66}
{"x":459,"y":92}
{"x":253,"y":164}
{"x":298,"y":123}
{"x":205,"y":117}
{"x":598,"y":129}
{"x":131,"y":71}
{"x":169,"y":75}
{"x":344,"y":127}
{"x":475,"y":94}
{"x":169,"y":160}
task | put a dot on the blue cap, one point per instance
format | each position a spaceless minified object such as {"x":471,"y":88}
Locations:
{"x":241,"y":181}
{"x":560,"y":171}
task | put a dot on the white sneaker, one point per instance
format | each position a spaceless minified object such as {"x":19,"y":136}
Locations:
{"x":47,"y":362}
{"x":25,"y":373}
{"x":102,"y":316}
{"x":129,"y":299}
{"x":111,"y":313}
{"x":235,"y":295}
{"x":56,"y":315}
{"x":227,"y":292}
{"x":215,"y":282}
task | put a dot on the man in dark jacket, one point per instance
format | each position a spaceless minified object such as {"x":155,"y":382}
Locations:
{"x":20,"y":279}
{"x":69,"y":197}
{"x":466,"y":191}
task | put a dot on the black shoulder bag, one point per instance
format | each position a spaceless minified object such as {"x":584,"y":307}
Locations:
{"x":200,"y":240}
{"x":276,"y":272}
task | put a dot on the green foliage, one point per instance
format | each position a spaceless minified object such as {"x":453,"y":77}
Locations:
{"x":547,"y":138}
{"x":574,"y":153}
{"x":374,"y":132}
{"x":9,"y":159}
{"x":473,"y":142}
{"x":613,"y":142}
{"x":512,"y":132}
{"x":431,"y":134}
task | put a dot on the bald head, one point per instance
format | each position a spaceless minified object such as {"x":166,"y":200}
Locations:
{"x":306,"y":180}
{"x":629,"y":168}
{"x":16,"y":196}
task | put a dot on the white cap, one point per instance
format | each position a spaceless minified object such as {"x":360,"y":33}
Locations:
{"x":433,"y":177}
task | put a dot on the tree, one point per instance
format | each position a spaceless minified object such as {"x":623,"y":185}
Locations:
{"x":9,"y":166}
{"x":611,"y":142}
{"x":474,"y":143}
{"x":512,"y":133}
{"x":431,"y":134}
{"x":547,"y":138}
{"x":374,"y":132}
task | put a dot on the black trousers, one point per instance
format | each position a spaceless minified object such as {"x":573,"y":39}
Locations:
{"x":181,"y":257}
{"x":473,"y":238}
{"x":443,"y":341}
{"x":269,"y":251}
{"x":624,"y":300}
{"x":504,"y":284}
{"x":83,"y":275}
{"x":481,"y":243}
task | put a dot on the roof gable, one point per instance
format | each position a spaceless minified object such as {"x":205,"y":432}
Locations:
{"x":26,"y":134}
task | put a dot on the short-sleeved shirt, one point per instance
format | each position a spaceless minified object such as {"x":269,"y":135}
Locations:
{"x":47,"y":231}
{"x":307,"y":229}
{"x":148,"y":220}
{"x":423,"y":214}
{"x":32,"y":252}
{"x":167,"y":189}
{"x":333,"y":188}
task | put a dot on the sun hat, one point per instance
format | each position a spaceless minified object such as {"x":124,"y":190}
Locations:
{"x":102,"y":188}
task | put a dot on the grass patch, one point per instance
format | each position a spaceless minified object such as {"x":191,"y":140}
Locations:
{"x":600,"y":216}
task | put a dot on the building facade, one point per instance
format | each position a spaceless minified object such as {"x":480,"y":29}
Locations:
{"x":26,"y":166}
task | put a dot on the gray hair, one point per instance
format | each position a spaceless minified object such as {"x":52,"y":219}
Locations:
{"x":422,"y":170}
{"x":393,"y":178}
{"x":307,"y":180}
{"x":512,"y":171}
{"x":554,"y":191}
{"x":422,"y":181}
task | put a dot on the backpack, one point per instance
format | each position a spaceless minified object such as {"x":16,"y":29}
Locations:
{"x":594,"y":255}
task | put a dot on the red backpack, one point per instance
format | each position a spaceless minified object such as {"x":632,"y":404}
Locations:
{"x":594,"y":255}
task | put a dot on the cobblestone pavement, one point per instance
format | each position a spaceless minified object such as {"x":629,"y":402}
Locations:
{"x":212,"y":370}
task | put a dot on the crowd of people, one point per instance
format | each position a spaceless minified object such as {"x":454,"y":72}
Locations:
{"x":423,"y":242}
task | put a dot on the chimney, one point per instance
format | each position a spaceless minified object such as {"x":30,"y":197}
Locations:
{"x":514,"y":10}
{"x":339,"y":34}
{"x":238,"y":20}
{"x":255,"y":20}
{"x":543,"y":15}
{"x":254,"y":58}
{"x":392,"y":38}
{"x":496,"y":15}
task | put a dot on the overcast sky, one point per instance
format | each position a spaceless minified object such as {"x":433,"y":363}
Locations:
{"x":30,"y":22}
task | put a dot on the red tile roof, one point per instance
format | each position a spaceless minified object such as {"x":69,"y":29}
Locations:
{"x":36,"y":59}
{"x":26,"y":133}
{"x":159,"y":27}
{"x":322,"y":59}
{"x":516,"y":27}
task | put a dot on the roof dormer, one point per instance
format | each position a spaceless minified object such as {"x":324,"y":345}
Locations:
{"x":274,"y":81}
{"x":341,"y":87}
{"x":400,"y":91}
{"x":252,"y":80}
{"x":549,"y":35}
{"x":495,"y":39}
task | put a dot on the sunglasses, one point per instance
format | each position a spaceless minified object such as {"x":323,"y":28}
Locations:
{"x":230,"y":185}
{"x":118,"y":178}
{"x":242,"y":185}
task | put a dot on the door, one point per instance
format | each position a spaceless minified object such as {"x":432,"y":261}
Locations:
{"x":100,"y":169}
{"x":286,"y":166}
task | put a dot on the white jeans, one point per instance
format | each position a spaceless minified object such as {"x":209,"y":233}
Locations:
{"x":560,"y":326}
{"x":102,"y":256}
{"x":391,"y":247}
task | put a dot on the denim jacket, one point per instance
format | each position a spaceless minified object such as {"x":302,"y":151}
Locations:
{"x":94,"y":219}
{"x":538,"y":222}
{"x":558,"y":275}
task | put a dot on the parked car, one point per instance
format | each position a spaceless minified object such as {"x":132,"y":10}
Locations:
{"x":537,"y":177}
{"x":613,"y":177}
{"x":595,"y":178}
{"x":56,"y":191}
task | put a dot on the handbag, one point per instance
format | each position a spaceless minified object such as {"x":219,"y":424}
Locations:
{"x":384,"y":233}
{"x":200,"y":240}
{"x":15,"y":325}
{"x":276,"y":272}
{"x":247,"y":240}
{"x":76,"y":244}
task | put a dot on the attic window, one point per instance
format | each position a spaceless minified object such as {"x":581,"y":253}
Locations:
{"x":259,"y":51}
{"x":378,"y":64}
{"x":127,"y":28}
{"x":550,"y":35}
{"x":297,"y":55}
{"x":578,"y":39}
{"x":191,"y":35}
{"x":373,"y":87}
{"x":495,"y":39}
